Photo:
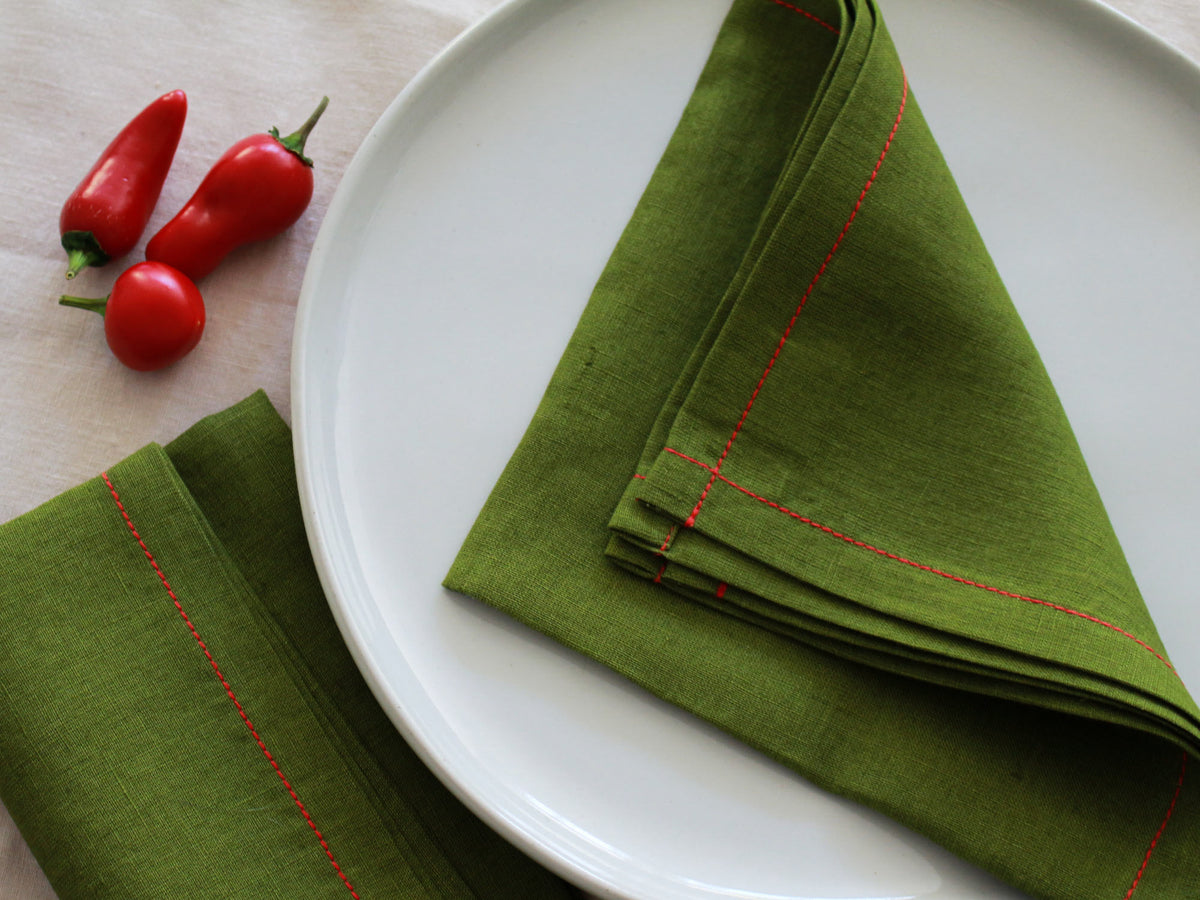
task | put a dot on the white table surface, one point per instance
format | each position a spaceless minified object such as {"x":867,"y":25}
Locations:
{"x":72,"y":73}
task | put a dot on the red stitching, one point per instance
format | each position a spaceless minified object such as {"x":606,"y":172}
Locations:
{"x":690,"y":459}
{"x":721,"y":588}
{"x":642,"y":477}
{"x":691,"y":519}
{"x":807,"y":14}
{"x":924,"y":568}
{"x":1161,"y":828}
{"x":658,"y":577}
{"x":225,"y":684}
{"x":667,"y":540}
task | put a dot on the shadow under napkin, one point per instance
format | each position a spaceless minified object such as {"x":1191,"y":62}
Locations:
{"x":178,"y":713}
{"x":849,"y":521}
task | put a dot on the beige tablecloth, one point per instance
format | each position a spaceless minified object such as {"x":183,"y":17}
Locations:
{"x":71,"y":74}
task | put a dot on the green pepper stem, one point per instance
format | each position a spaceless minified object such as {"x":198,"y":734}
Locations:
{"x":95,"y":304}
{"x":296,"y":140}
{"x":82,"y":250}
{"x":77,"y":260}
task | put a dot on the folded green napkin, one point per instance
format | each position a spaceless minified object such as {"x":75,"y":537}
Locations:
{"x":801,"y":471}
{"x":178,"y":714}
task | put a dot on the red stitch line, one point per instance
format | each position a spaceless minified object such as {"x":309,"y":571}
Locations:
{"x":925,"y":568}
{"x":716,"y":470}
{"x":667,"y":540}
{"x":721,"y":588}
{"x":690,"y":459}
{"x":642,"y":477}
{"x":1161,"y":828}
{"x":225,"y":684}
{"x":807,"y":14}
{"x":658,"y":577}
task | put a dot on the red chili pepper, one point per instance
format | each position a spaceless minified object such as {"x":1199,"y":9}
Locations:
{"x":106,"y":214}
{"x":258,"y":188}
{"x":153,"y":317}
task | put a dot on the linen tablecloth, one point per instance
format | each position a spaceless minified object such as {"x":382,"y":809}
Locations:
{"x":73,"y":73}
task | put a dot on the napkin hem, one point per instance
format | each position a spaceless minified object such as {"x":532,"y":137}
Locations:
{"x":1137,"y":878}
{"x":690,"y":521}
{"x":924,"y":568}
{"x":808,"y":15}
{"x":1144,"y":686}
{"x":225,"y":684}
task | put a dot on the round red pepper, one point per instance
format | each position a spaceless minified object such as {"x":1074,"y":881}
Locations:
{"x":257,"y":189}
{"x":106,"y":214}
{"x":153,"y":317}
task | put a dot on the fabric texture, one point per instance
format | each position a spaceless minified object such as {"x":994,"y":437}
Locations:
{"x":801,"y":471}
{"x":180,"y":708}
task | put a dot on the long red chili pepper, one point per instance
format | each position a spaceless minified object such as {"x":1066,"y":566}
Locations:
{"x":106,"y":214}
{"x":257,"y":189}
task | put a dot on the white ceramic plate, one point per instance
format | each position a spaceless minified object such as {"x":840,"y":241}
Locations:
{"x":449,"y":273}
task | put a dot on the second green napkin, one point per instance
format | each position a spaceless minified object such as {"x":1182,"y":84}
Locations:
{"x":179,"y":716}
{"x":801,"y":471}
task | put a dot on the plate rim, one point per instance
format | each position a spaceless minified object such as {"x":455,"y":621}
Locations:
{"x":516,"y":829}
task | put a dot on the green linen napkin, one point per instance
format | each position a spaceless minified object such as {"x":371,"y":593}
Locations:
{"x":178,"y":714}
{"x":801,"y":471}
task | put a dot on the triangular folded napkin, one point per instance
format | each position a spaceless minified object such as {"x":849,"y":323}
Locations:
{"x":801,"y":471}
